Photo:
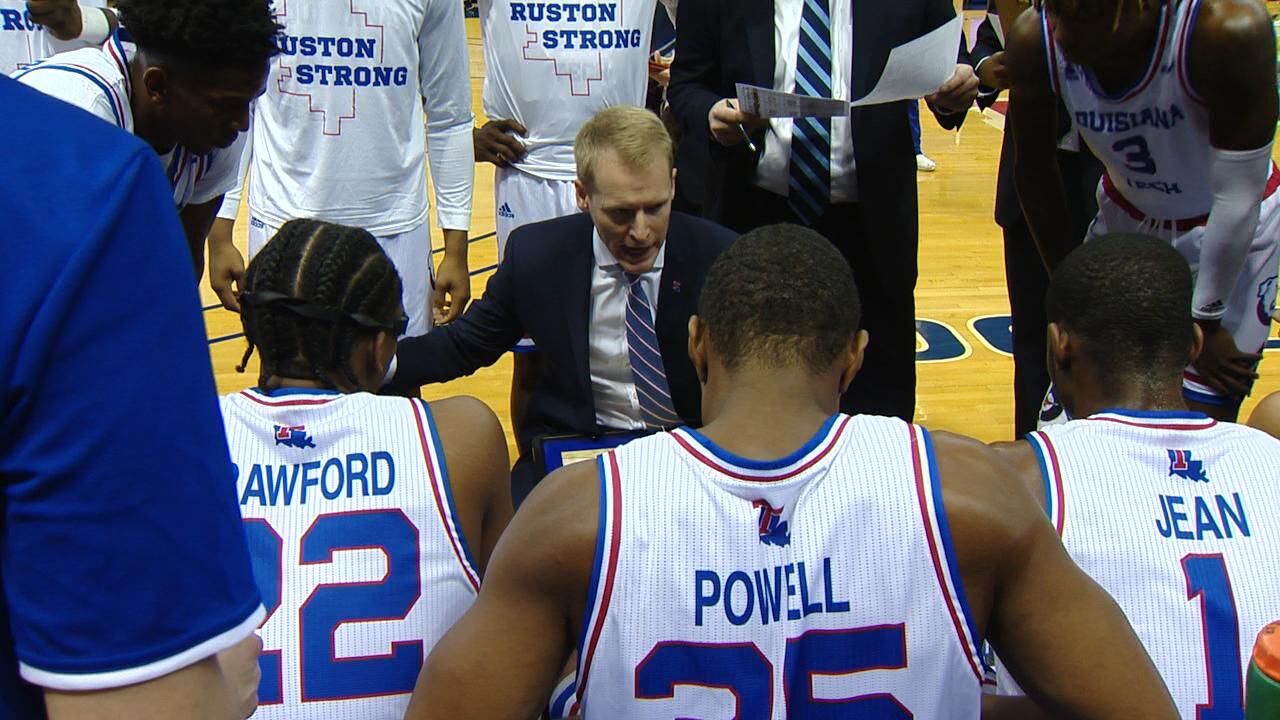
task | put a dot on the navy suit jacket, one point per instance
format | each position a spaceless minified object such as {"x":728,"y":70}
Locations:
{"x":543,"y":289}
{"x":723,"y":42}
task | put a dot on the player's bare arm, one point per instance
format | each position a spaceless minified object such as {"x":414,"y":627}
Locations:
{"x":496,"y":142}
{"x":524,"y":625}
{"x":453,"y":279}
{"x":226,"y":264}
{"x":1033,"y":119}
{"x":64,"y":19}
{"x":220,"y":687}
{"x":479,"y":471}
{"x":1041,"y":613}
{"x":1232,"y":62}
{"x":1266,"y":417}
{"x":197,"y":220}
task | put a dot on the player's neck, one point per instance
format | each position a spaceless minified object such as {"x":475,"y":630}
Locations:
{"x":1133,"y":56}
{"x":275,"y":382}
{"x":1134,"y":397}
{"x":766,"y":414}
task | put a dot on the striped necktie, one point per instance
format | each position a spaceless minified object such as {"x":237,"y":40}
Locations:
{"x":656,"y":408}
{"x":810,"y":176}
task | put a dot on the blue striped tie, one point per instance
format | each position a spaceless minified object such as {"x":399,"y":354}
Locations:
{"x":656,"y":408}
{"x":810,"y":180}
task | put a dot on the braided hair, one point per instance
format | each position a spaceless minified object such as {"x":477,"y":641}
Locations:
{"x":310,"y":295}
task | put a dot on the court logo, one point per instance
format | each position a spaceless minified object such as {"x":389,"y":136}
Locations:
{"x":773,"y":529}
{"x":294,"y":436}
{"x":1182,"y":465}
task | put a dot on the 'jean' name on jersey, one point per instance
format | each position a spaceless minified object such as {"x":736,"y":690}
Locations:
{"x":769,"y":594}
{"x":1202,"y":518}
{"x":1167,"y":188}
{"x":17,"y":21}
{"x":339,"y":75}
{"x":356,"y":475}
{"x":577,"y":12}
{"x":1118,"y":122}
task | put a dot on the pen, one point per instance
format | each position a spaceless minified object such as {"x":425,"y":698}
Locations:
{"x":743,"y":130}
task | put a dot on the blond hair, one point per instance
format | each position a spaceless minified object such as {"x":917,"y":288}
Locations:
{"x":634,"y":134}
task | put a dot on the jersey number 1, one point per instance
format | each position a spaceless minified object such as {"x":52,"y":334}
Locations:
{"x":323,"y":675}
{"x":1207,"y":579}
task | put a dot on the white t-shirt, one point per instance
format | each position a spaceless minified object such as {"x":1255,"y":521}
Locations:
{"x":553,"y":65}
{"x":339,"y":134}
{"x":23,"y":42}
{"x":97,"y":80}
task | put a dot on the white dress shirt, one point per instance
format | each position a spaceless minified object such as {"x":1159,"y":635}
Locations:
{"x":613,"y":387}
{"x":773,"y":170}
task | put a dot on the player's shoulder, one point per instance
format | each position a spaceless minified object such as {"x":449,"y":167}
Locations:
{"x":470,"y":436}
{"x":984,"y":487}
{"x":1223,"y":29}
{"x":1266,"y":416}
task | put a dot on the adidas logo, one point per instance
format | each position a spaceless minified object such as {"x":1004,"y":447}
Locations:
{"x":505,"y":212}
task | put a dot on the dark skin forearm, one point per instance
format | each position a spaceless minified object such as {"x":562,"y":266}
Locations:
{"x":1033,"y":118}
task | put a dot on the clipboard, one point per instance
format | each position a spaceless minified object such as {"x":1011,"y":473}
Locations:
{"x":555,"y":451}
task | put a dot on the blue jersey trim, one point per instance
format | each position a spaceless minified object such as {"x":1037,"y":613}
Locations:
{"x":1157,"y":414}
{"x":77,"y":71}
{"x":596,"y":563}
{"x":777,"y":464}
{"x":1044,"y":475}
{"x":448,"y":488}
{"x":1205,"y":398}
{"x":560,"y":704}
{"x":1148,"y":70}
{"x":948,"y":547}
{"x":281,"y":392}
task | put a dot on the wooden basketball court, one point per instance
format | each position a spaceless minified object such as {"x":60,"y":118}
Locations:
{"x":965,"y":373}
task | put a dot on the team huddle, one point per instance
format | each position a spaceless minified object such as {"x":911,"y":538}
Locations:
{"x":777,"y":558}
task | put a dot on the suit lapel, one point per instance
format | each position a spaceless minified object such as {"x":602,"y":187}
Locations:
{"x":575,"y":289}
{"x":671,"y":321}
{"x":758,"y":23}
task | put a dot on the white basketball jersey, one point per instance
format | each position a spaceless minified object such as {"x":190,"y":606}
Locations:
{"x":23,"y":42}
{"x":339,"y":133}
{"x":1153,"y":138}
{"x":355,"y":544}
{"x":97,"y":80}
{"x":1177,"y":516}
{"x":552,"y":66}
{"x":822,"y":582}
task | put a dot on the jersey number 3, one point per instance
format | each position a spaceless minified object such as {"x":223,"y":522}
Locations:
{"x":324,"y":675}
{"x":1137,"y":154}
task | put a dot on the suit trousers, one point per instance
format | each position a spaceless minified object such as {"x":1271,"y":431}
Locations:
{"x":1027,"y":280}
{"x":885,"y":270}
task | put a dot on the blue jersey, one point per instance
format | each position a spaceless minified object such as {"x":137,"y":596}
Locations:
{"x":122,"y":558}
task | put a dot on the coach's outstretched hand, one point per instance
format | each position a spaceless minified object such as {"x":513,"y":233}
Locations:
{"x":495,"y":142}
{"x":61,"y":17}
{"x":1222,"y":365}
{"x":226,"y":265}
